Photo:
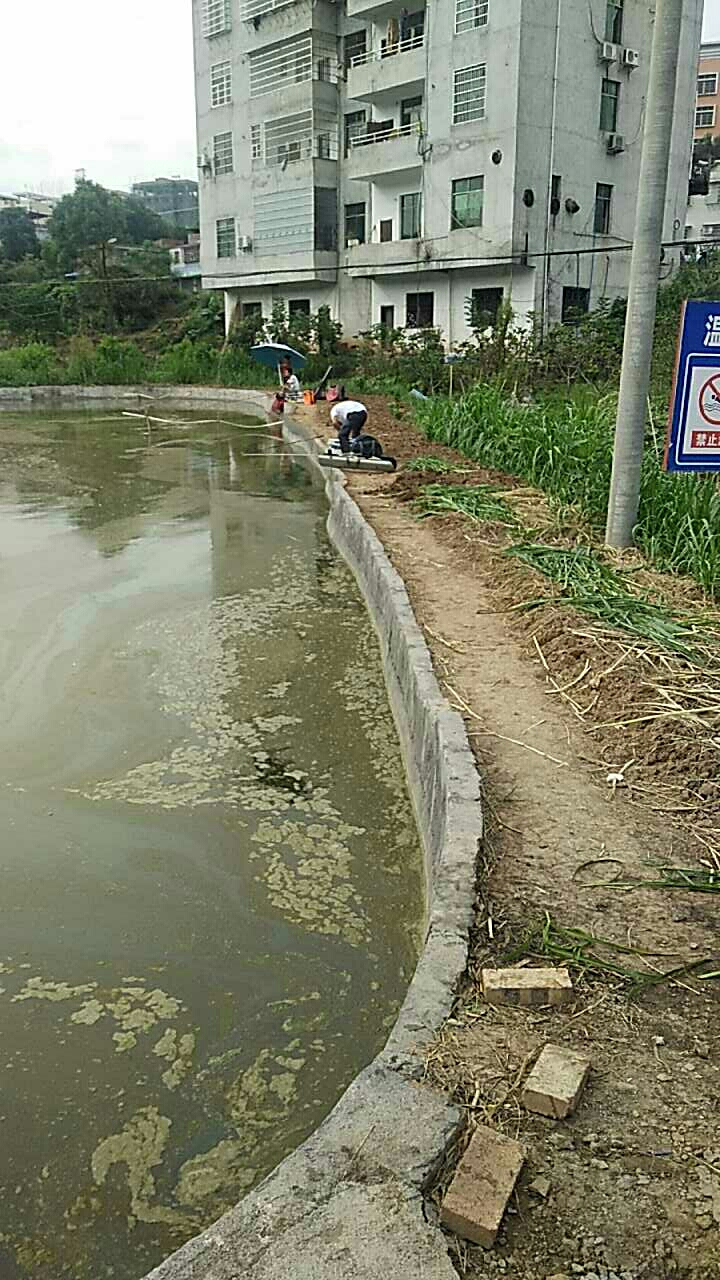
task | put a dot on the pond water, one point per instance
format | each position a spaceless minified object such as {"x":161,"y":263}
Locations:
{"x":210,"y":876}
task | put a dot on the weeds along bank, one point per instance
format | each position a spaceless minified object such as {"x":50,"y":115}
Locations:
{"x":564,"y":447}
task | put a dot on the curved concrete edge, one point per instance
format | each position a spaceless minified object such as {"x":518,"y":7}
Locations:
{"x":347,"y":1204}
{"x":89,"y":397}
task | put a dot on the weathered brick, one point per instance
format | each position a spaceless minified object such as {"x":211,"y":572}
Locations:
{"x":556,"y":1081}
{"x":484,"y":1179}
{"x":527,"y":987}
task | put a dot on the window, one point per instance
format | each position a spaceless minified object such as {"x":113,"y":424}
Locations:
{"x":704,"y":117}
{"x":216,"y":17}
{"x":355,"y":223}
{"x":411,"y":216}
{"x":470,"y":14}
{"x":484,"y":307}
{"x":614,"y":21}
{"x":326,"y":215}
{"x":466,"y":209}
{"x":469,"y":94}
{"x":575,"y":303}
{"x":223,"y":153}
{"x":355,"y":122}
{"x":609,"y":98}
{"x":256,"y":142}
{"x":386,"y":230}
{"x":411,"y":110}
{"x":603,"y":202}
{"x":324,"y":69}
{"x":225,"y":236}
{"x":298,"y":307}
{"x":555,"y":194}
{"x":354,"y":46}
{"x":387,"y":317}
{"x":221,"y":84}
{"x":707,"y":86}
{"x":251,"y":309}
{"x":419,"y":310}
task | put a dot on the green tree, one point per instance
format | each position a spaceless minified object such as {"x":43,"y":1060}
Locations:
{"x":92,"y":216}
{"x":17,"y":235}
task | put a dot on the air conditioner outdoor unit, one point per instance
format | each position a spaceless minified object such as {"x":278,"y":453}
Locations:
{"x":608,"y":52}
{"x":205,"y":162}
{"x":615,"y":144}
{"x":245,"y":244}
{"x":631,"y":58}
{"x":352,"y":244}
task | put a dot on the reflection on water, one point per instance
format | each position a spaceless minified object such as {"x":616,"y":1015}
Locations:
{"x":210,"y":870}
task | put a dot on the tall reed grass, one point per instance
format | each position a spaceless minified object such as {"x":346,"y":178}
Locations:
{"x":564,"y":447}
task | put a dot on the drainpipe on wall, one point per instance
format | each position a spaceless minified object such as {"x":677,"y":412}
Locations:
{"x":551,"y":166}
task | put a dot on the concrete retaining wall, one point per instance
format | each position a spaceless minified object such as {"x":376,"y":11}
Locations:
{"x":348,"y":1204}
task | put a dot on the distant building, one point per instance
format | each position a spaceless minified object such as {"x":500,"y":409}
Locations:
{"x":185,"y":262}
{"x":702,"y":221}
{"x":40,"y":208}
{"x":175,"y":199}
{"x":707,"y":118}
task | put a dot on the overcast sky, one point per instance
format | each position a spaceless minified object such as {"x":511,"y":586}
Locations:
{"x":105,"y":88}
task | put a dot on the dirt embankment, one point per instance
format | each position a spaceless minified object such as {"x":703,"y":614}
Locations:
{"x":586,"y":791}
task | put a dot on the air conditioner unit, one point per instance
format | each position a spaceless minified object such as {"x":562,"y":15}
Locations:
{"x":631,"y":58}
{"x":205,"y":162}
{"x":245,"y":244}
{"x":615,"y":144}
{"x":352,"y":244}
{"x":608,"y":52}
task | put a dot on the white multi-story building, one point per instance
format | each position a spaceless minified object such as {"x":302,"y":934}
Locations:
{"x":404,"y":165}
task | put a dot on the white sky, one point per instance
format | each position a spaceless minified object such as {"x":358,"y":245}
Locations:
{"x":111,"y":94}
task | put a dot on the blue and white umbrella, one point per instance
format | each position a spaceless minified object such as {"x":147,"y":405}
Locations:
{"x":273,"y":354}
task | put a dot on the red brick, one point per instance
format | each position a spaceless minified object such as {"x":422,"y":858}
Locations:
{"x":556,"y":1081}
{"x":484,"y":1180}
{"x":527,"y":987}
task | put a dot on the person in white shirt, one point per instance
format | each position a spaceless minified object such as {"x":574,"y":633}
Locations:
{"x":349,"y":417}
{"x":291,"y":383}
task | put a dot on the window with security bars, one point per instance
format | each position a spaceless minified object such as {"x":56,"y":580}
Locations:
{"x":223,"y":153}
{"x":466,"y":209}
{"x":419,"y":310}
{"x":470,"y":14}
{"x":707,"y":86}
{"x":221,"y":84}
{"x":225,"y":237}
{"x":484,"y":307}
{"x":355,"y":223}
{"x":609,"y":100}
{"x":603,"y":205}
{"x":411,"y":216}
{"x":282,"y":65}
{"x":469,"y":94}
{"x":216,"y":17}
{"x":614,"y":21}
{"x":256,"y":142}
{"x":704,"y":117}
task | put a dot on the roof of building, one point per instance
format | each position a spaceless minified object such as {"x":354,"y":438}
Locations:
{"x":710,"y":50}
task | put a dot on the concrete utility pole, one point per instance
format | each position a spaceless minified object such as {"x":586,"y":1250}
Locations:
{"x":644,"y":275}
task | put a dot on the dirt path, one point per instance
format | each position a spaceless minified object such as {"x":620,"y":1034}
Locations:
{"x":634,"y":1177}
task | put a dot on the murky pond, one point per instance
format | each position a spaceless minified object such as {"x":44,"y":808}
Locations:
{"x":210,"y":882}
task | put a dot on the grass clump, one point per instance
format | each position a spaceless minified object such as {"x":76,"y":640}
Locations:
{"x":564,"y":447}
{"x":594,"y":588}
{"x":479,"y":502}
{"x":426,"y":462}
{"x":596,"y":957}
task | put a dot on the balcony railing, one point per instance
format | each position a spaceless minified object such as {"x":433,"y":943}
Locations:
{"x":384,"y":133}
{"x":385,"y":50}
